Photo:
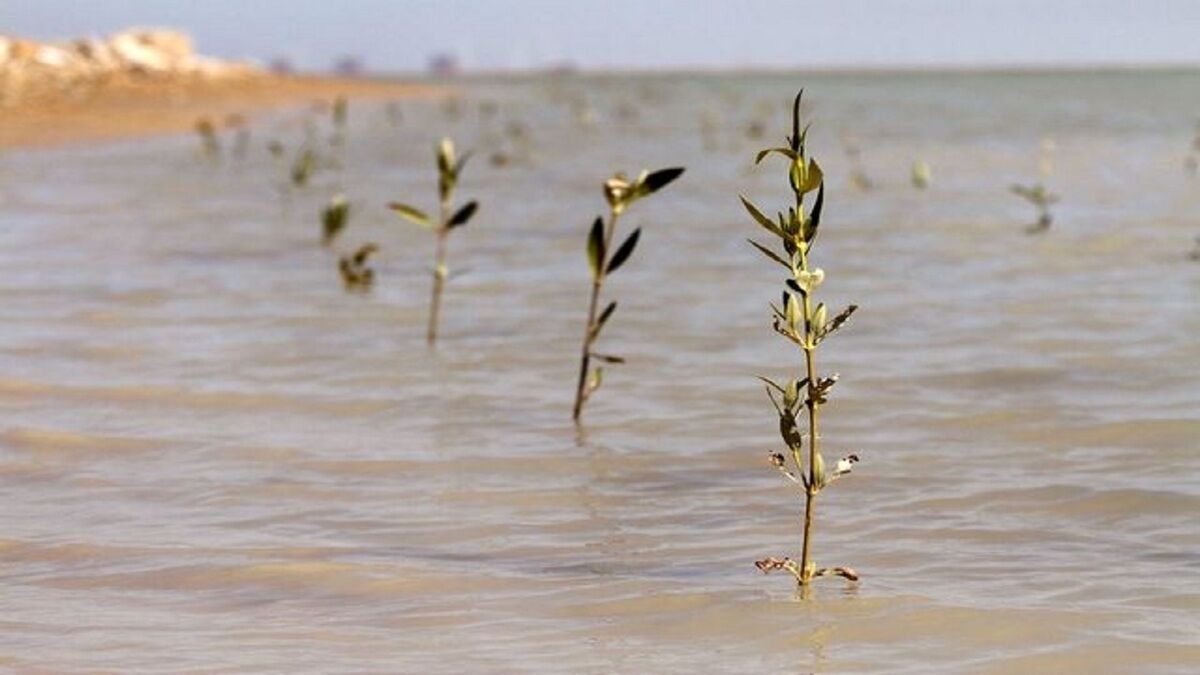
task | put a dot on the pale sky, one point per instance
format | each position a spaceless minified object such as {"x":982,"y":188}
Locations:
{"x":399,"y":35}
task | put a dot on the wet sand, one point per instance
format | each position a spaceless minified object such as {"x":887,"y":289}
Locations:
{"x":155,"y":106}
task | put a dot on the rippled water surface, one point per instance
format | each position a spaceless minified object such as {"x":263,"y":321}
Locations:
{"x":212,"y":459}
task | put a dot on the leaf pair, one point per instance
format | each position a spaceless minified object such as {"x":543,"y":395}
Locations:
{"x":597,"y":252}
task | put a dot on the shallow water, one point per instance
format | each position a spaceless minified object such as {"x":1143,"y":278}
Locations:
{"x":212,"y":459}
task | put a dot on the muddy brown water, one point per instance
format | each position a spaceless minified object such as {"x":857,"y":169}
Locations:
{"x":212,"y":459}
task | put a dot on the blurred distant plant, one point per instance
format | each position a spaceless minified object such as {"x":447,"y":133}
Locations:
{"x":858,"y":177}
{"x":620,"y":192}
{"x":339,"y":116}
{"x":1195,"y":254}
{"x":1042,"y":199}
{"x":303,"y":168}
{"x":241,"y":135}
{"x":333,"y":218}
{"x":449,"y":169}
{"x":357,"y":276}
{"x":394,"y":113}
{"x":1192,"y":162}
{"x":806,"y":324}
{"x":922,"y":175}
{"x":210,"y":145}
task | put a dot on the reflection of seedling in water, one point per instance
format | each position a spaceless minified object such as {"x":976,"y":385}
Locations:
{"x":620,"y":193}
{"x":449,"y":169}
{"x":921,"y":174}
{"x":1195,"y":254}
{"x":333,"y":218}
{"x":357,"y":276}
{"x":210,"y":145}
{"x":806,"y":324}
{"x":1042,"y":199}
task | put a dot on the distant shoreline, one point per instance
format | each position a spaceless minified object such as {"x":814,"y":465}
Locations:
{"x":169,"y":105}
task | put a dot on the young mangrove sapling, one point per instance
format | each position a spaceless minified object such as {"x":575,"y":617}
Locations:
{"x":805,"y":323}
{"x":449,"y":170}
{"x":620,"y":193}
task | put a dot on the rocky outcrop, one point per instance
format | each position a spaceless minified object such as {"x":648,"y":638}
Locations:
{"x":32,"y":70}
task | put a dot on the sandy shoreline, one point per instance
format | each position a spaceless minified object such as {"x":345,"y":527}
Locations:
{"x":156,"y":106}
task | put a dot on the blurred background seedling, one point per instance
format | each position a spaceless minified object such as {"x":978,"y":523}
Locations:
{"x":357,"y":274}
{"x":449,"y":169}
{"x":858,"y":177}
{"x":805,"y":323}
{"x":922,"y":174}
{"x":240,"y":128}
{"x":620,"y":192}
{"x":210,"y":144}
{"x":334,"y":216}
{"x":1042,"y":199}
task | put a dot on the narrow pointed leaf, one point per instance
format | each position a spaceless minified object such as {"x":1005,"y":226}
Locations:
{"x":796,"y":144}
{"x":660,"y":179}
{"x":612,"y":307}
{"x":762,"y":154}
{"x":624,"y":251}
{"x":462,"y":215}
{"x":769,"y":253}
{"x":608,"y":358}
{"x":595,"y":248}
{"x":411,"y":213}
{"x":762,"y":219}
{"x":814,"y":219}
{"x":462,"y":161}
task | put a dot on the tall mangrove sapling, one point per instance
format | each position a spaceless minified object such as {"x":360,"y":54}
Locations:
{"x":805,"y":323}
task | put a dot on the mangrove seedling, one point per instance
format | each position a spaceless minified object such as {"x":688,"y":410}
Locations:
{"x":1042,"y":199}
{"x":805,"y":323}
{"x":449,"y":169}
{"x":210,"y":145}
{"x":858,"y":177}
{"x":303,"y":168}
{"x":333,"y":218}
{"x":620,"y":192}
{"x":921,"y":174}
{"x":357,"y":275}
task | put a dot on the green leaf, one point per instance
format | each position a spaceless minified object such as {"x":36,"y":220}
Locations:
{"x":762,"y":154}
{"x":771,"y":383}
{"x":795,"y":139}
{"x":762,"y":219}
{"x":814,"y":219}
{"x":462,"y":161}
{"x":812,"y":177}
{"x":445,"y":156}
{"x":624,"y":251}
{"x":769,"y":253}
{"x":660,"y":179}
{"x":818,"y":470}
{"x":789,"y":432}
{"x":413,"y":214}
{"x":612,"y":307}
{"x":464,"y":214}
{"x":595,"y":248}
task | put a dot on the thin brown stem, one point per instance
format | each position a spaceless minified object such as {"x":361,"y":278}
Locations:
{"x":589,"y":334}
{"x":439,"y":274}
{"x":814,"y":439}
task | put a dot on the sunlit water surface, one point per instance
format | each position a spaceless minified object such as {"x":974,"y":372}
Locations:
{"x":212,"y":459}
